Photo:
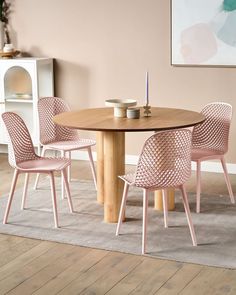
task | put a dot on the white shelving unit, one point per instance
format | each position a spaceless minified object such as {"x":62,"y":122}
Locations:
{"x":22,"y":82}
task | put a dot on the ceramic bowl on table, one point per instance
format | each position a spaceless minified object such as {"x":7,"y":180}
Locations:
{"x":120,"y":106}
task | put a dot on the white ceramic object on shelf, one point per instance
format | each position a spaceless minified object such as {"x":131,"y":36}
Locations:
{"x":120,"y":106}
{"x":8,"y":48}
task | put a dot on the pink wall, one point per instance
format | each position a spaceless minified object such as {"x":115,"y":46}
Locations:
{"x":103,"y":48}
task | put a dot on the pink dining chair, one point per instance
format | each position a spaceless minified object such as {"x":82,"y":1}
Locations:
{"x":165,"y":162}
{"x":23,"y":159}
{"x":210,"y":142}
{"x":59,"y":138}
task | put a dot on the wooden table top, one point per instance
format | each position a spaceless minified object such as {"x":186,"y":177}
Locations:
{"x":102,"y":119}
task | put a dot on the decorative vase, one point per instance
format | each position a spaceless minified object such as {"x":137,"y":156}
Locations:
{"x":1,"y":35}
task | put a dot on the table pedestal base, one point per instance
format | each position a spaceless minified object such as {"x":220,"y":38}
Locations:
{"x":111,"y":164}
{"x":100,"y":167}
{"x":158,"y":204}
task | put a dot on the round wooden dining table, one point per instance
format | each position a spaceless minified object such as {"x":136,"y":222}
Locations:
{"x":111,"y":143}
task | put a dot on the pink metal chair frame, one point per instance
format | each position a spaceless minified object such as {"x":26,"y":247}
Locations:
{"x":210,"y":142}
{"x":23,"y":159}
{"x":59,"y":138}
{"x":165,"y":162}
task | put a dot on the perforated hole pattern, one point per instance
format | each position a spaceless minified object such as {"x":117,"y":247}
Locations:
{"x":165,"y":160}
{"x":20,"y":147}
{"x":50,"y":132}
{"x":213,"y":133}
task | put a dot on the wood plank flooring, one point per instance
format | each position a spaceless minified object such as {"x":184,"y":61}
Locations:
{"x":29,"y":266}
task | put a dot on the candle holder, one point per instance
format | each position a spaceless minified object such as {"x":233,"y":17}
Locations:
{"x":147,"y":110}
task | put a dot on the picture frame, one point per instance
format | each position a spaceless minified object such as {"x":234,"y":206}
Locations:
{"x":203,"y":32}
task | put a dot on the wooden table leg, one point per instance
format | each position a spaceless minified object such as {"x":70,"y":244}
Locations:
{"x":114,"y":165}
{"x":158,"y":204}
{"x":100,"y":166}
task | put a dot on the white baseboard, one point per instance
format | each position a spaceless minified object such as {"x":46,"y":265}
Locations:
{"x":207,"y":166}
{"x":216,"y":167}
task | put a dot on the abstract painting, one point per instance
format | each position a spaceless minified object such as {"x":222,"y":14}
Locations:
{"x":204,"y":32}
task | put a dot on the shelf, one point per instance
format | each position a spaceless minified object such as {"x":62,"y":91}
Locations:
{"x":24,"y":100}
{"x":22,"y":82}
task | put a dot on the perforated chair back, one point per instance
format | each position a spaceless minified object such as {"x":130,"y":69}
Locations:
{"x":50,"y":132}
{"x":20,"y":147}
{"x":213,"y":133}
{"x":165,"y":160}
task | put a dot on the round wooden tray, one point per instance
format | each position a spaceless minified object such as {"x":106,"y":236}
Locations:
{"x":9,"y":54}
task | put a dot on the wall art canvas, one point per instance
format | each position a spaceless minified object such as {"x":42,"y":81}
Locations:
{"x":204,"y":32}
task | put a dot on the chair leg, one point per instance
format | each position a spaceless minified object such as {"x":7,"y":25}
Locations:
{"x":25,"y":191}
{"x":11,"y":194}
{"x":145,"y":211}
{"x":165,"y":206}
{"x":63,"y":154}
{"x":92,"y":166}
{"x":37,"y":176}
{"x":227,"y":180}
{"x":188,"y":215}
{"x":64,"y":175}
{"x":69,"y":169}
{"x":198,"y":195}
{"x":54,"y":200}
{"x":122,"y":208}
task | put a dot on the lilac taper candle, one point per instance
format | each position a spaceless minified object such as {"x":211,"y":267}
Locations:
{"x":147,"y":90}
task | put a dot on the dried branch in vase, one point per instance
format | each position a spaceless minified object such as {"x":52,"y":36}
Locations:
{"x":4,"y":18}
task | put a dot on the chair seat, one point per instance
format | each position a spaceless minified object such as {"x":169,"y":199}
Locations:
{"x":129,"y":178}
{"x":44,"y":164}
{"x":169,"y":183}
{"x":198,"y":153}
{"x":70,"y":145}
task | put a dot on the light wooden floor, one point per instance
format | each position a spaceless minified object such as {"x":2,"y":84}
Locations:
{"x":29,"y":266}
